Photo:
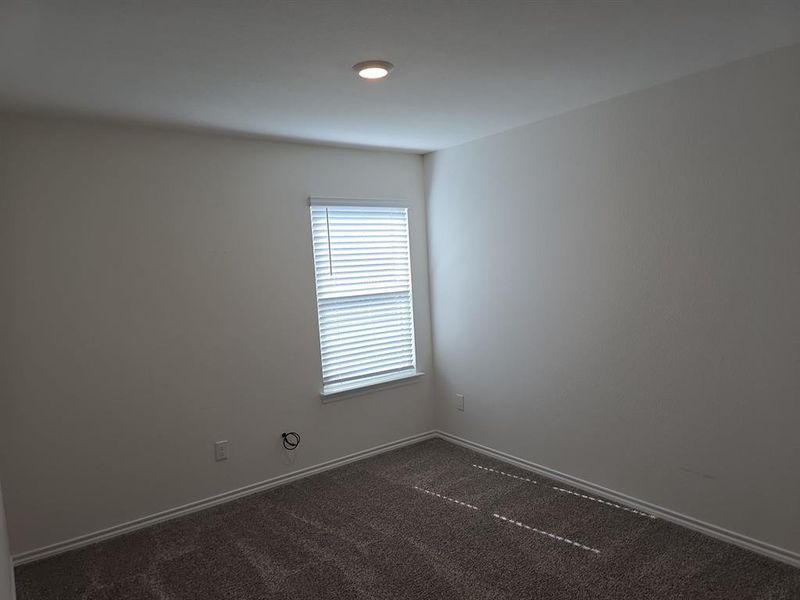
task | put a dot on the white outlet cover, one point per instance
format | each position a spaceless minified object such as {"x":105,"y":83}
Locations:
{"x":460,"y":401}
{"x":221,"y":450}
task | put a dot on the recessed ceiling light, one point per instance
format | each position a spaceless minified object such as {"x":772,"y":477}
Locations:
{"x":373,"y":69}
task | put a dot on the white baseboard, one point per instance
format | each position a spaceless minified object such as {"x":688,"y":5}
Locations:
{"x":178,"y":511}
{"x":781,"y":554}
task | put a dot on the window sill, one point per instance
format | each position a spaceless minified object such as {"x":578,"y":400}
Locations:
{"x":368,"y":386}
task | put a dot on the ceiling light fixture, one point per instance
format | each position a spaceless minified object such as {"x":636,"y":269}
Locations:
{"x":373,"y":69}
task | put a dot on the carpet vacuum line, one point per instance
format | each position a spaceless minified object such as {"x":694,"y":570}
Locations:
{"x":564,"y":491}
{"x":512,"y":521}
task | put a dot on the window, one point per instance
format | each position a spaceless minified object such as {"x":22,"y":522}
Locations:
{"x":364,"y":300}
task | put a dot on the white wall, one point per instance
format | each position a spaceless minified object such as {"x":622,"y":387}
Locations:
{"x":158,"y":295}
{"x":616,"y":291}
{"x":6,"y":572}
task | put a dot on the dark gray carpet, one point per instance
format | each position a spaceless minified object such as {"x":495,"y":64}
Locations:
{"x":368,"y":530}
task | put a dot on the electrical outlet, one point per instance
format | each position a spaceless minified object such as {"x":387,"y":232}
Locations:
{"x":221,"y":450}
{"x":460,"y":401}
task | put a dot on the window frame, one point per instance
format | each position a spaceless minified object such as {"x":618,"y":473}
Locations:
{"x":368,"y":384}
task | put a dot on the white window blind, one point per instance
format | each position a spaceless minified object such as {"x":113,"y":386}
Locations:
{"x":364,"y":300}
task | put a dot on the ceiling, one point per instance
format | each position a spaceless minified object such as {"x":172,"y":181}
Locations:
{"x":283,"y":69}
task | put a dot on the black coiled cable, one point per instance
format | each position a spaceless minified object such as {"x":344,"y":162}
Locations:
{"x":291,"y":440}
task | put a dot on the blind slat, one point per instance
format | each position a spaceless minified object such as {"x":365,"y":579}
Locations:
{"x":368,"y":369}
{"x":363,"y":274}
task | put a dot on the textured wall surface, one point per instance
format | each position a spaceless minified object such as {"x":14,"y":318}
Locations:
{"x":158,"y":295}
{"x":616,"y":292}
